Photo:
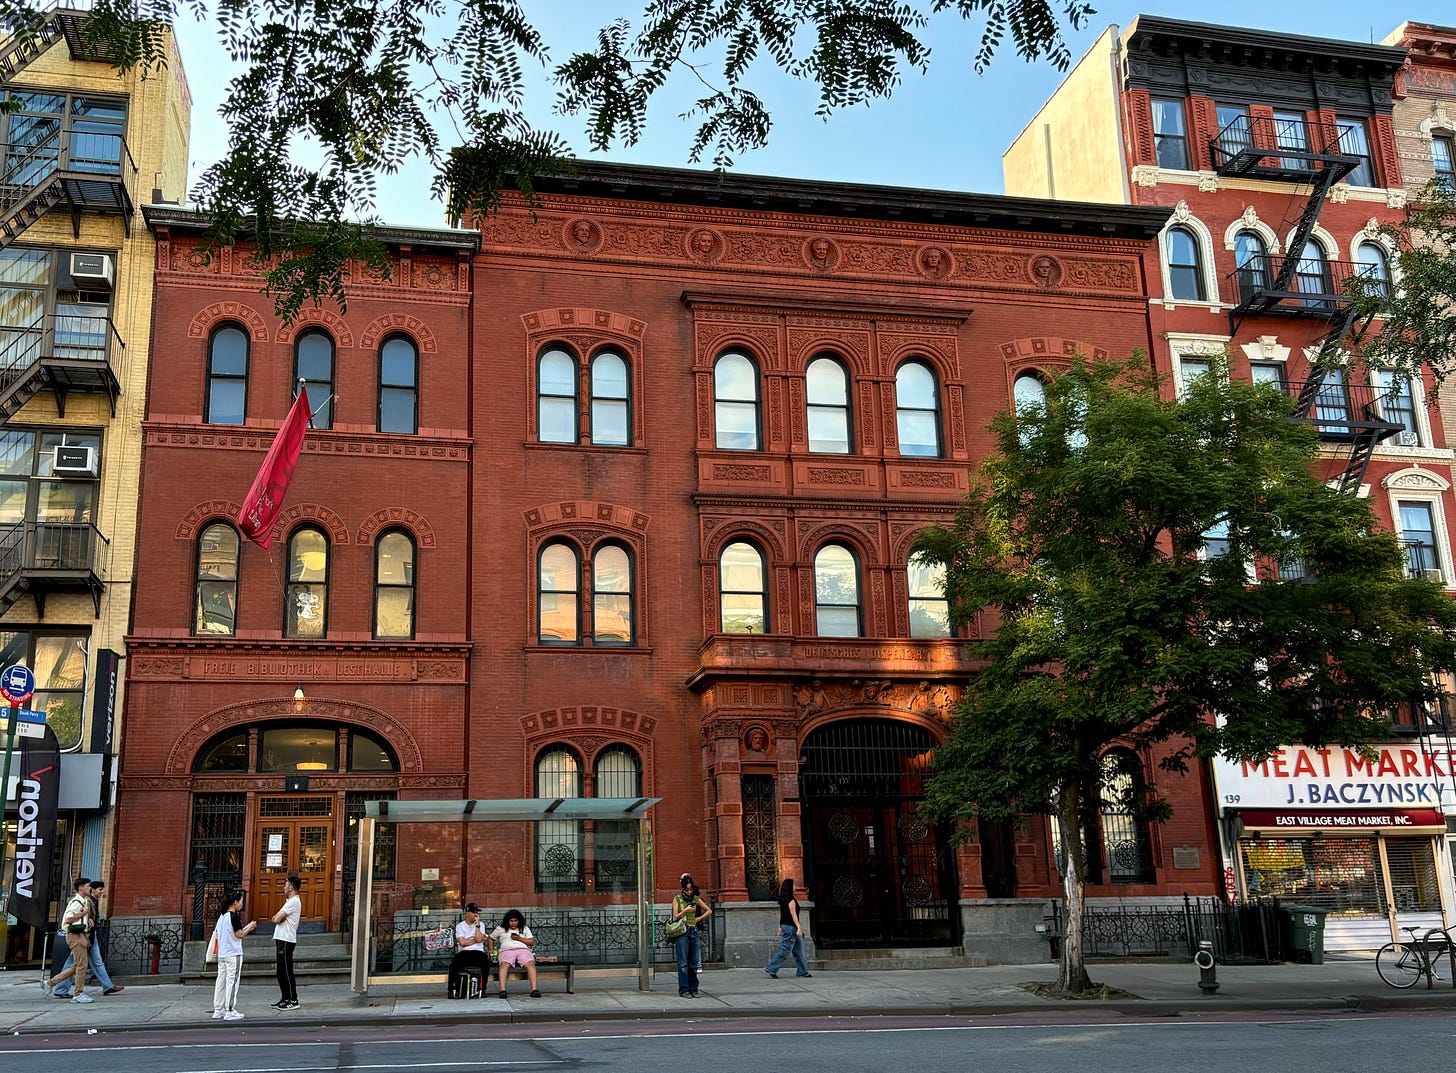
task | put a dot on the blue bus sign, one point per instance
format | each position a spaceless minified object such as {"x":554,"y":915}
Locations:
{"x":17,"y":684}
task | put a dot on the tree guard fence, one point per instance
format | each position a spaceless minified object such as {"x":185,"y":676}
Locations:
{"x":579,"y":869}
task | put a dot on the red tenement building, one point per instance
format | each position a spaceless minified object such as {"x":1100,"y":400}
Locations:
{"x":619,"y":505}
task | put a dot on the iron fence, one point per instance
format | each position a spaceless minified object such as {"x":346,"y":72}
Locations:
{"x":1247,"y":932}
{"x":142,"y":946}
{"x":411,"y":941}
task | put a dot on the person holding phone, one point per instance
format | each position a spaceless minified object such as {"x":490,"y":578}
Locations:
{"x":513,"y":942}
{"x":689,"y":907}
{"x":230,"y":931}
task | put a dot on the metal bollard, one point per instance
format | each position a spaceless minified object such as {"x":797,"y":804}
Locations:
{"x":1207,"y":972}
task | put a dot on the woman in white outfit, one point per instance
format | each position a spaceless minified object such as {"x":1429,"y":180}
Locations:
{"x":229,"y":934}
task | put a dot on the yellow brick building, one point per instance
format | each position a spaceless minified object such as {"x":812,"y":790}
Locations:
{"x":84,"y":148}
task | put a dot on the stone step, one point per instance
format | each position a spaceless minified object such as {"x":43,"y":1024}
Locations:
{"x":889,"y":953}
{"x":893,"y":964}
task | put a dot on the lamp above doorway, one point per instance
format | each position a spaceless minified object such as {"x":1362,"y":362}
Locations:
{"x":298,"y":693}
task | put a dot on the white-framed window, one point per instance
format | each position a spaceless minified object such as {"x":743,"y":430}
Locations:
{"x":1398,"y":398}
{"x":1170,"y":134}
{"x":1419,"y":518}
{"x":1187,"y":260}
{"x":1443,"y":160}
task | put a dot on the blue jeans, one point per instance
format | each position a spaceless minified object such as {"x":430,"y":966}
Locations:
{"x":686,"y":946}
{"x":95,"y":970}
{"x":790,"y":942}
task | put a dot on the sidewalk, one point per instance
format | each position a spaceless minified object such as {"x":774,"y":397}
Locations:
{"x":1162,"y":988}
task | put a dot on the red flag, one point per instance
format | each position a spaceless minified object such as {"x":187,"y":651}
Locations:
{"x":265,"y":498}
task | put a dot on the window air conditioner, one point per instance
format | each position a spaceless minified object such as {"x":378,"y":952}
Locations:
{"x":93,"y":270}
{"x":1433,"y":575}
{"x":75,"y":460}
{"x":1409,"y":439}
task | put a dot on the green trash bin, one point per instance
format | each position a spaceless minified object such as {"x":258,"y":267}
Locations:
{"x":1306,"y":933}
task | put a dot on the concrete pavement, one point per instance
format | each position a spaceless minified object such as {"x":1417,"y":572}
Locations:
{"x":1161,"y":988}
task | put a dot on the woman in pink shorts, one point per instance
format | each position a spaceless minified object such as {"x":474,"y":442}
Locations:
{"x":513,"y":942}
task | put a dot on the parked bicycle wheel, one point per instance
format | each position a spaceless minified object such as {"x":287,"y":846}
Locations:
{"x":1400,"y":964}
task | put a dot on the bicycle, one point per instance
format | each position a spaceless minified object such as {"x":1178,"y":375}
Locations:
{"x":1401,"y":964}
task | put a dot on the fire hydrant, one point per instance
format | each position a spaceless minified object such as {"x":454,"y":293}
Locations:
{"x":1207,"y":973}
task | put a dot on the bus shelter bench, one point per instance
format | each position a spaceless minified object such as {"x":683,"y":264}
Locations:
{"x":560,"y":967}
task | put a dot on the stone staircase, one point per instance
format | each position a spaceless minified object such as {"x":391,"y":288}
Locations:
{"x":320,"y":958}
{"x":889,"y":959}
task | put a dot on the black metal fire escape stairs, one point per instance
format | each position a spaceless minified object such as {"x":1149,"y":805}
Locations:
{"x":82,"y":172}
{"x":1307,"y":156}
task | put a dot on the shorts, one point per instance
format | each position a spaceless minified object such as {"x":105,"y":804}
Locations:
{"x":517,"y":956}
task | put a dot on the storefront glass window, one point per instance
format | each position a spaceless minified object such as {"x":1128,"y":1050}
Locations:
{"x":1343,"y":875}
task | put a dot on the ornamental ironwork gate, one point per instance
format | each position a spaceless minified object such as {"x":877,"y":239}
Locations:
{"x":879,"y":873}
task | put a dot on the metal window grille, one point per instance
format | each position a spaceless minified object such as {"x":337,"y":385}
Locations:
{"x":760,"y":837}
{"x":217,"y":835}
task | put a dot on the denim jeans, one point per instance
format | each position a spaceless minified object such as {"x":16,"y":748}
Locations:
{"x":687,"y":960}
{"x":95,"y":969}
{"x":790,"y":942}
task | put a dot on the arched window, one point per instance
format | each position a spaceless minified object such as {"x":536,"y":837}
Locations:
{"x":394,"y":585}
{"x":735,"y":403}
{"x":827,"y":392}
{"x":227,"y":376}
{"x":399,"y":370}
{"x":368,"y":753}
{"x":612,"y":596}
{"x":929,"y":607}
{"x":216,"y":606}
{"x":618,"y":773}
{"x":1185,"y":267}
{"x":313,"y":363}
{"x":556,"y":409}
{"x":1252,"y":259}
{"x":1028,"y":391}
{"x":227,"y":753}
{"x":558,"y":595}
{"x":559,"y":843}
{"x":1374,"y":266}
{"x":742,"y":589}
{"x":917,"y":410}
{"x":611,"y":405}
{"x":1312,"y":275}
{"x":836,"y":592}
{"x":307,"y":599}
{"x":1125,"y":845}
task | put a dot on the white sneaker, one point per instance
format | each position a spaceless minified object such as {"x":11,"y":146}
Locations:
{"x":217,"y":1015}
{"x":232,"y":1015}
{"x":82,"y":998}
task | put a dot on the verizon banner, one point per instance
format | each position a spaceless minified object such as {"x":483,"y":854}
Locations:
{"x":35,"y":837}
{"x":265,"y":499}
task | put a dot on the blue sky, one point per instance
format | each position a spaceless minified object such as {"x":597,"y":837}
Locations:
{"x":945,"y":129}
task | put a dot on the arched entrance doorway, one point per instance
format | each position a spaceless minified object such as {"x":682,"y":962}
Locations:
{"x":879,"y":874}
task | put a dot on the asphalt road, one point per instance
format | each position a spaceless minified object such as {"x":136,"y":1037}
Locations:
{"x":1369,"y":1043}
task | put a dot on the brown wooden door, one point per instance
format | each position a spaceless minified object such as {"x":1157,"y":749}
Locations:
{"x":293,"y":844}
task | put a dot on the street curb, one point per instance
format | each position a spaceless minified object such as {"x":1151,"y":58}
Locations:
{"x":1133,"y":1008}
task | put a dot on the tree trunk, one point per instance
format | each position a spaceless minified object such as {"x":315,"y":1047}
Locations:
{"x":1072,"y":977}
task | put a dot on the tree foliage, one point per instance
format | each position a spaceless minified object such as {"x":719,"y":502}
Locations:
{"x":1417,"y":328}
{"x":368,"y":85}
{"x":1082,"y":548}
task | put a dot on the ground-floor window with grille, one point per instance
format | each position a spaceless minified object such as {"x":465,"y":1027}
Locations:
{"x":571,"y":852}
{"x":1344,"y":875}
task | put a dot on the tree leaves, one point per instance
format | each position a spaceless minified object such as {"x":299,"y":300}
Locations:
{"x":333,"y":95}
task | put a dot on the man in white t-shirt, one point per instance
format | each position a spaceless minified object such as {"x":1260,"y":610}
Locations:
{"x":285,"y":938}
{"x":76,"y":926}
{"x":470,"y":946}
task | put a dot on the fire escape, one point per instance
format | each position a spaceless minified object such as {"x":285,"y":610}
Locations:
{"x":53,"y":167}
{"x":1306,"y":156}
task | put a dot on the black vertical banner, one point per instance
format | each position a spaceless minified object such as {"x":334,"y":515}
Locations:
{"x":35,"y":837}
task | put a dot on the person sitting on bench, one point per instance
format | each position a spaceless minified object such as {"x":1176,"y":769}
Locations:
{"x":513,"y":942}
{"x":470,"y":942}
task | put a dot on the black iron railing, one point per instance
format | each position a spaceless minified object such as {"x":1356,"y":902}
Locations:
{"x":143,"y":946}
{"x":1316,"y":285}
{"x":69,"y":546}
{"x":410,"y":941}
{"x":1240,"y":932}
{"x":73,"y":336}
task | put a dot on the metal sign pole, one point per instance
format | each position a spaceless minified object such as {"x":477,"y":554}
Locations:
{"x":5,"y":803}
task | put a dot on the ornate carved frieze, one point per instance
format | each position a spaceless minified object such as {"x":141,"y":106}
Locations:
{"x":319,"y":442}
{"x":390,"y":517}
{"x":220,"y":312}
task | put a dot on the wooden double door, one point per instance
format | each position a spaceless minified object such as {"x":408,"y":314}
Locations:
{"x":295,"y":835}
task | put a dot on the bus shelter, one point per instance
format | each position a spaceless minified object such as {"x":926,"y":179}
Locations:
{"x":580,"y":868}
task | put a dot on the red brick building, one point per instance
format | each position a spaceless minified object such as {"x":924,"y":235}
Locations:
{"x":723,"y":409}
{"x":273,"y":692}
{"x":1278,"y":158}
{"x":660,"y":492}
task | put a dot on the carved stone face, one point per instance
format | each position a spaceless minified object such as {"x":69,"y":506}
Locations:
{"x":931,"y":260}
{"x":819,"y":248}
{"x":582,"y":232}
{"x":703,"y":242}
{"x":757,"y":740}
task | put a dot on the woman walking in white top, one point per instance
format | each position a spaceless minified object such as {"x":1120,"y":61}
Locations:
{"x":229,"y":939}
{"x":285,"y":938}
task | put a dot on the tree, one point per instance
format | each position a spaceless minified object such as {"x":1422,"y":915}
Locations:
{"x":363,"y":81}
{"x":1416,"y":326}
{"x":1083,"y":545}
